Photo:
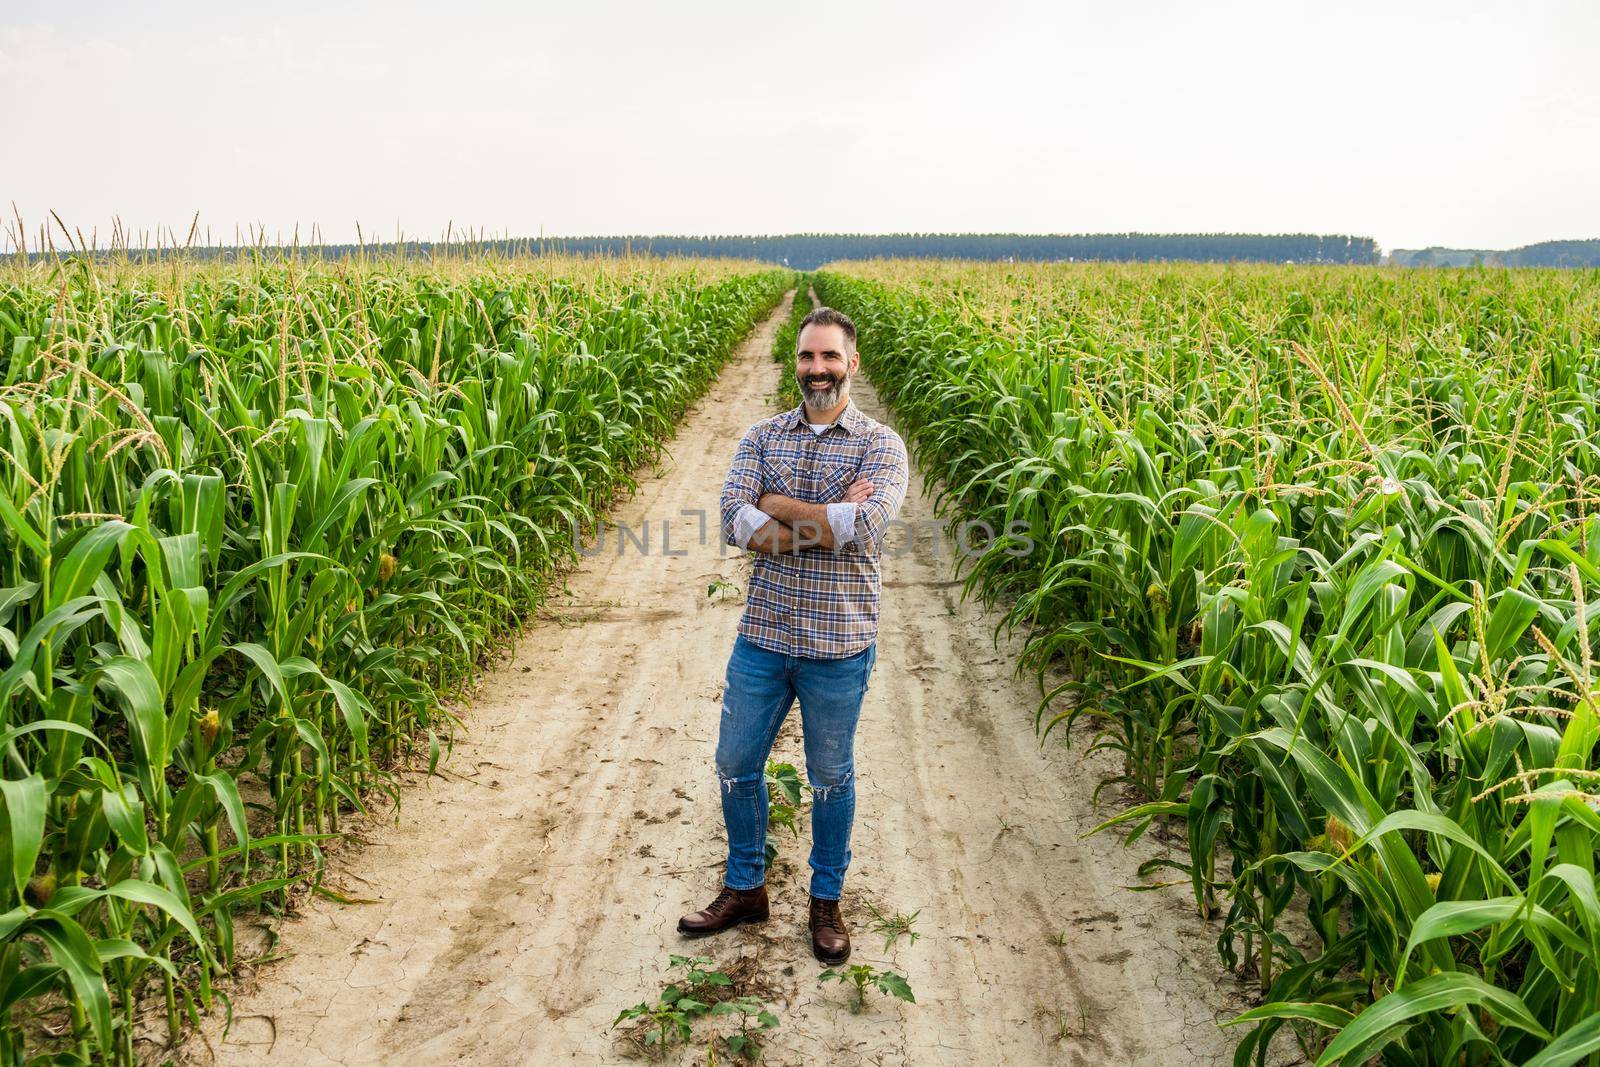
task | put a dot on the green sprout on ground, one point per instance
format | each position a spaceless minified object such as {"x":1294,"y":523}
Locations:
{"x":755,"y":1020}
{"x":661,"y":1023}
{"x":893,"y":927}
{"x":862,"y":975}
{"x":700,"y":976}
{"x":784,"y":792}
{"x":721,"y":589}
{"x":672,"y":1016}
{"x":702,"y":991}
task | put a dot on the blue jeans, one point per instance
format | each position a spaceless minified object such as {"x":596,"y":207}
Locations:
{"x":762,"y":687}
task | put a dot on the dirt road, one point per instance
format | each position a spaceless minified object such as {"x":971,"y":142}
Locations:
{"x":532,"y":892}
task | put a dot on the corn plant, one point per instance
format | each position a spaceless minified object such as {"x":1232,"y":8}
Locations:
{"x":784,"y":343}
{"x":1316,"y":550}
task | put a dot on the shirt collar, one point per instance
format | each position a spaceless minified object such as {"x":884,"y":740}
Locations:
{"x":852,"y":419}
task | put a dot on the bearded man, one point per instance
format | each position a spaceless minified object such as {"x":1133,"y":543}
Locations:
{"x":811,"y":492}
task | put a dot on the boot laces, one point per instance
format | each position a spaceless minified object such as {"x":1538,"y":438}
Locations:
{"x":723,"y":901}
{"x":826,"y":913}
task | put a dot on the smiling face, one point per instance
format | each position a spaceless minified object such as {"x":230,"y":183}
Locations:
{"x":824,"y":363}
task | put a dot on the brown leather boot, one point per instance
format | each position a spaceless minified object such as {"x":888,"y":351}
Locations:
{"x":732,"y":907}
{"x":830,"y":939}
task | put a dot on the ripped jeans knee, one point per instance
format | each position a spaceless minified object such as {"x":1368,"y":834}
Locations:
{"x":738,"y":785}
{"x":831,"y":783}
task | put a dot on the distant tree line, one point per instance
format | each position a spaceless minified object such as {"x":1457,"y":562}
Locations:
{"x":1543,"y":254}
{"x":807,"y":251}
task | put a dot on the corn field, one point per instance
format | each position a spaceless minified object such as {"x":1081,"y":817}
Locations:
{"x":258,"y":524}
{"x":784,"y":341}
{"x":1318,"y":550}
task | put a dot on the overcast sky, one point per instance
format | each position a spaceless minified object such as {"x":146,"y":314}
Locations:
{"x":1460,"y":123}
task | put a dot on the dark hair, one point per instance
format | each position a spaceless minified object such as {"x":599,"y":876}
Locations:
{"x":826,"y":316}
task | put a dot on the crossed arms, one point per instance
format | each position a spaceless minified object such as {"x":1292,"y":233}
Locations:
{"x":795,"y":524}
{"x":771,"y":522}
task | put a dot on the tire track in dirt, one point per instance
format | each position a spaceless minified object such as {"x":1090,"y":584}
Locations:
{"x":531,"y":893}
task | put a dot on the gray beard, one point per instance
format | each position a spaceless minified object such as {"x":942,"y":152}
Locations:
{"x":824,"y":399}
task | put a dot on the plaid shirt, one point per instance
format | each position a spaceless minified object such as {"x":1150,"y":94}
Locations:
{"x":818,"y":602}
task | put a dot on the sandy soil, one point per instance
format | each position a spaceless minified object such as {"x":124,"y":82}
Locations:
{"x":528,"y":895}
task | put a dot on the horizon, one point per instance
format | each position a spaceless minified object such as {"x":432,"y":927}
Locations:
{"x":62,"y":238}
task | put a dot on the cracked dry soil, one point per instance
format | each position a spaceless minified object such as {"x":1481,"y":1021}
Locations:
{"x":525,"y":897}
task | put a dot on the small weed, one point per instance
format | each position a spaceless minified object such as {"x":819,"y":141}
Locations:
{"x":722,"y":590}
{"x":1065,"y":1032}
{"x":700,"y":976}
{"x":702,"y":991}
{"x":755,"y":1020}
{"x":784,"y":792}
{"x":893,"y":927}
{"x":861,"y":975}
{"x":661,"y":1023}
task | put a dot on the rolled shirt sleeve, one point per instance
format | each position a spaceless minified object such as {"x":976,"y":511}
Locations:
{"x":742,"y":488}
{"x":842,"y":521}
{"x":888,"y":468}
{"x":746,"y":521}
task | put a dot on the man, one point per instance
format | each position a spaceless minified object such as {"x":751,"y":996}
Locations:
{"x":811,"y":491}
